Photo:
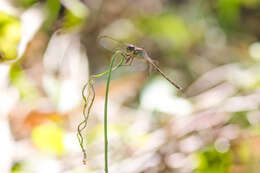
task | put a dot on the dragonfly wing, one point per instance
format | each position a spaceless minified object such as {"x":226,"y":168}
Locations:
{"x":111,"y":44}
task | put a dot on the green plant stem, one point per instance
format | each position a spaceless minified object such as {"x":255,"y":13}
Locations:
{"x":105,"y":110}
{"x":89,"y":100}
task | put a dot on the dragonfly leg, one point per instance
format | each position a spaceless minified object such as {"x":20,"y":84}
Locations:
{"x":128,"y":61}
{"x":131,"y":61}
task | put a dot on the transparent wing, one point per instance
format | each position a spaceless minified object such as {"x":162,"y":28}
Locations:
{"x":111,"y":44}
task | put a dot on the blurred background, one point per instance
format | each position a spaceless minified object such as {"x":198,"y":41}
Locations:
{"x":48,"y":49}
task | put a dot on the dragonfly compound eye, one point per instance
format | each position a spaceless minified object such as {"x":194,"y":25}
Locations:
{"x":131,"y":47}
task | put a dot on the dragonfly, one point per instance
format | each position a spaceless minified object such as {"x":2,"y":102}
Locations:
{"x":130,"y":51}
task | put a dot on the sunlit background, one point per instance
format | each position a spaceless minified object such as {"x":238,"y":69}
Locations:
{"x":49,"y":48}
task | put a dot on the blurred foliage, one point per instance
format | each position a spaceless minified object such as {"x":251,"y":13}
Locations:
{"x":48,"y":138}
{"x":53,"y":7}
{"x":212,"y":161}
{"x":17,"y":168}
{"x":10,"y":34}
{"x":27,"y":3}
{"x":20,"y":80}
{"x":168,"y":28}
{"x":229,"y":12}
{"x":244,"y":151}
{"x":240,"y":118}
{"x":72,"y":21}
{"x":211,"y":48}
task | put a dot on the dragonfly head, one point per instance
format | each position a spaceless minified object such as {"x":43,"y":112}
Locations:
{"x":130,"y":48}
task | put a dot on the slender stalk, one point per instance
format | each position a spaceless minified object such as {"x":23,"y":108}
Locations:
{"x":89,"y":100}
{"x":105,"y":110}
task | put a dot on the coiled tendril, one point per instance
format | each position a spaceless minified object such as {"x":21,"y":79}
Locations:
{"x":89,"y":100}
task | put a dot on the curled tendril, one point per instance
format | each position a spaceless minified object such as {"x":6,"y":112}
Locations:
{"x":88,"y":102}
{"x":88,"y":89}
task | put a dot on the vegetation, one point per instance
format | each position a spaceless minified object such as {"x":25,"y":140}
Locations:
{"x":53,"y":67}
